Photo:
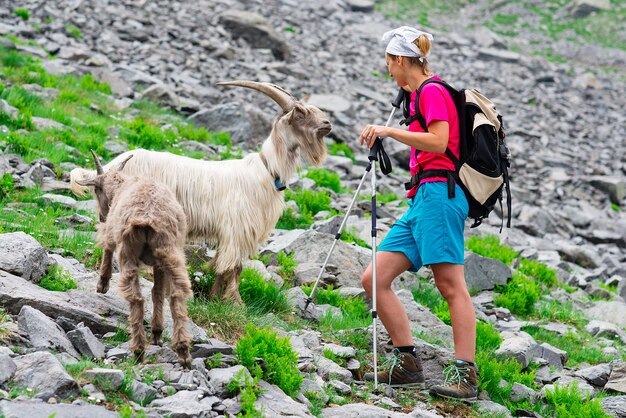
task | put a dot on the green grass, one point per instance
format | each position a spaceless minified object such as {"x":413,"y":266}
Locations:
{"x":519,"y":295}
{"x":566,"y":402}
{"x":309,"y":202}
{"x":22,"y":13}
{"x":419,"y":10}
{"x":342,"y":150}
{"x":325,"y":178}
{"x":538,"y":271}
{"x":286,"y":265}
{"x":557,"y":311}
{"x":581,"y":347}
{"x":489,"y":246}
{"x":349,"y":235}
{"x":73,"y":30}
{"x":354,"y":311}
{"x":58,"y":280}
{"x":249,"y":389}
{"x":260,"y":296}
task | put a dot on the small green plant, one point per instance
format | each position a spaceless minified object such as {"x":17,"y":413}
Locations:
{"x":564,"y":312}
{"x":120,"y":337}
{"x":539,"y":271}
{"x":615,"y":207}
{"x":290,"y":29}
{"x":249,"y":389}
{"x":489,"y":246}
{"x":568,"y":403}
{"x":58,"y":280}
{"x":6,"y":184}
{"x":22,"y":13}
{"x":342,"y":150}
{"x":16,"y":391}
{"x":214,"y":361}
{"x":504,"y":19}
{"x":354,"y":311}
{"x":224,"y":321}
{"x":325,"y":178}
{"x":280,"y":358}
{"x":309,"y":201}
{"x":519,"y":295}
{"x":290,"y":220}
{"x":76,"y":369}
{"x":349,"y":235}
{"x":73,"y":30}
{"x":260,"y":296}
{"x":287,"y":265}
{"x":386,"y":197}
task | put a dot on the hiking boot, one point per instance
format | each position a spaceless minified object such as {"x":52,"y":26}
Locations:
{"x":400,"y":370}
{"x":460,"y":382}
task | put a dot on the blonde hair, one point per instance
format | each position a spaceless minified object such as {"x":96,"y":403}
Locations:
{"x":424,"y":44}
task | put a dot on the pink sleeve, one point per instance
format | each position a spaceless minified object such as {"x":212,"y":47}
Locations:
{"x":433,"y":104}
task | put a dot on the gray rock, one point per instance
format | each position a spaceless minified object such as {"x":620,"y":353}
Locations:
{"x":213,"y":346}
{"x":340,"y":351}
{"x":160,"y":93}
{"x":613,"y":312}
{"x":596,"y":375}
{"x":275,"y":403}
{"x":22,"y":255}
{"x":44,"y":123}
{"x":482,"y":273}
{"x":493,"y":409}
{"x":32,"y":409}
{"x":422,"y":320}
{"x":101,"y":313}
{"x":117,"y":354}
{"x":617,"y":379}
{"x":115,"y":148}
{"x":359,"y":410}
{"x":615,"y":187}
{"x":297,"y":298}
{"x":340,"y":387}
{"x":330,"y":102}
{"x":490,"y":54}
{"x":519,"y":346}
{"x":366,"y":6}
{"x":583,"y":8}
{"x":605,"y":329}
{"x":615,"y":406}
{"x":521,"y":392}
{"x":310,"y":386}
{"x":245,"y":125}
{"x":7,"y":368}
{"x":221,"y":377}
{"x":142,"y":393}
{"x":256,"y":30}
{"x":43,"y":332}
{"x":185,"y":404}
{"x":43,"y":373}
{"x":6,"y":108}
{"x":119,"y":87}
{"x":554,"y":356}
{"x":328,"y":369}
{"x":58,"y":199}
{"x":105,"y":379}
{"x":86,"y":343}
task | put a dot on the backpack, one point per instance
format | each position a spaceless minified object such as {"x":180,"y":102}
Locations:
{"x":482,"y":169}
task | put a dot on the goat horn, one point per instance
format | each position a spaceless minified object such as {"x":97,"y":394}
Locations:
{"x":282,"y":97}
{"x":99,"y":169}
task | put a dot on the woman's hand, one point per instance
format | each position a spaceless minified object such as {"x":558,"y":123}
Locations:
{"x":371,"y":132}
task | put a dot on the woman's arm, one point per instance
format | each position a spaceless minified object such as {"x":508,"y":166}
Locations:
{"x":435,"y":140}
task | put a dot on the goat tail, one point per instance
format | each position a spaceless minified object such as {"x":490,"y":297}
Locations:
{"x":80,"y":174}
{"x":137,"y":231}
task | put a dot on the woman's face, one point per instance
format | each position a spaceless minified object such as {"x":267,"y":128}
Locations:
{"x":396,"y":70}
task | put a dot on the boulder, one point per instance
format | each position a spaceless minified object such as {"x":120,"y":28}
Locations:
{"x":32,"y":409}
{"x":22,"y":255}
{"x":43,"y":332}
{"x":45,"y":375}
{"x":256,"y":30}
{"x":482,"y":273}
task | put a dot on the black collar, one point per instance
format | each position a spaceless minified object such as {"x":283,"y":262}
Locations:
{"x":280,"y":186}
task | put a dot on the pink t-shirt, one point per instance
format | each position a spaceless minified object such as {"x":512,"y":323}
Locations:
{"x":435,"y":104}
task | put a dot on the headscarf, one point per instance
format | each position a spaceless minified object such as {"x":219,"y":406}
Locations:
{"x":400,"y":42}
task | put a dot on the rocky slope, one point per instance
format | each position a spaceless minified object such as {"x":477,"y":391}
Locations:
{"x":565,"y":125}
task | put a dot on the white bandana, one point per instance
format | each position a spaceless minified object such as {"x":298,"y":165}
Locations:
{"x":400,"y":41}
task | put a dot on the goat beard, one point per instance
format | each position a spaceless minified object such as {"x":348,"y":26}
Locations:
{"x":314,"y":150}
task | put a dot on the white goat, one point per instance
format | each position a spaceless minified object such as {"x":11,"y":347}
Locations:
{"x":235,"y":204}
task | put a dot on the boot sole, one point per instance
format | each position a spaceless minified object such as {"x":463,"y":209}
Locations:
{"x":408,"y":385}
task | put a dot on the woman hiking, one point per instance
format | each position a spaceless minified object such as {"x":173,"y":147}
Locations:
{"x":430,"y":233}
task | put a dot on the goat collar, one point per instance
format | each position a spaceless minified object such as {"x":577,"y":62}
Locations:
{"x":280,"y":186}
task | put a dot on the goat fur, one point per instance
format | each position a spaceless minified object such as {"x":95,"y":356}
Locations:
{"x":142,"y":220}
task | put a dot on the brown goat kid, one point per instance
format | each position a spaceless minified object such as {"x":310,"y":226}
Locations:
{"x":142,"y":219}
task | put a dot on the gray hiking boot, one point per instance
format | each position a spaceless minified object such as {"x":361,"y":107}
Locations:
{"x":460,"y":382}
{"x":400,"y":370}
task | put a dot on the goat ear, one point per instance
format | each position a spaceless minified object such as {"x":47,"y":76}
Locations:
{"x":298,"y":112}
{"x":86,"y":183}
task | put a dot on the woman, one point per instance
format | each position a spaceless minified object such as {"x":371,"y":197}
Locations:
{"x":431,"y":231}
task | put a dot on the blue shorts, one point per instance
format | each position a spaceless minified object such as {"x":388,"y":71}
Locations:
{"x":431,"y":230}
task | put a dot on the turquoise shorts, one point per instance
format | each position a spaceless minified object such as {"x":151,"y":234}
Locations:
{"x":431,"y":230}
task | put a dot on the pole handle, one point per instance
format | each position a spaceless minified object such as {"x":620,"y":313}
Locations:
{"x":399,"y":98}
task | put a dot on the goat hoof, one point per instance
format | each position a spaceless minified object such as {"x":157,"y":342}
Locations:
{"x":102,"y":289}
{"x":185,"y":362}
{"x":139,"y":356}
{"x":184,"y":358}
{"x":156,"y":338}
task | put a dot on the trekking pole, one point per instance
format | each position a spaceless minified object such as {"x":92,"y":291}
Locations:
{"x":373,"y":156}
